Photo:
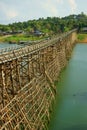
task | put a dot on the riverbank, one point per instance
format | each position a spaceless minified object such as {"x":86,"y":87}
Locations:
{"x":18,"y":38}
{"x":2,"y":38}
{"x":82,"y":38}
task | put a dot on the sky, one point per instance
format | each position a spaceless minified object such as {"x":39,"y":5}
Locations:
{"x":23,"y":10}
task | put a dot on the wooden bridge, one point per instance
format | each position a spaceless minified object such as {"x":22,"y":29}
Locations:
{"x":27,"y":77}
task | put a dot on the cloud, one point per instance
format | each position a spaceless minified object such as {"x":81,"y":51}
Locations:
{"x":8,"y":11}
{"x":73,"y":5}
{"x":23,"y":10}
{"x":51,"y":6}
{"x":11,"y":14}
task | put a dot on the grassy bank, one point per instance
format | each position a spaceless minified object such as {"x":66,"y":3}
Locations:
{"x":17,"y":38}
{"x":82,"y":38}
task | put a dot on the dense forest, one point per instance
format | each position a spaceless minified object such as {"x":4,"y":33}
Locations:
{"x":49,"y":25}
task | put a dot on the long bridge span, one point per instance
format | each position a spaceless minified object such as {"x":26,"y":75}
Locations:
{"x":27,"y":77}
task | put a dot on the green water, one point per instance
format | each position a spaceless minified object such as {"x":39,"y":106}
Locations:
{"x":70,"y":111}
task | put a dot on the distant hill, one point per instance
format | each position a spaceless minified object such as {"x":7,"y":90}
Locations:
{"x":50,"y":25}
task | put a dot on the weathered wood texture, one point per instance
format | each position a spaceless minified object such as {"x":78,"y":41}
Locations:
{"x":27,"y":78}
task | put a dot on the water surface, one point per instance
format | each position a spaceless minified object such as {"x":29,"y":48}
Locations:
{"x":6,"y":45}
{"x":70,"y":111}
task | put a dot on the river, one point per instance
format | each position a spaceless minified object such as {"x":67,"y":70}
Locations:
{"x":70,"y":111}
{"x":5,"y":47}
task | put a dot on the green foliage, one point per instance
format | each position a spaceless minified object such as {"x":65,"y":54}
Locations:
{"x":17,"y":38}
{"x":50,"y":25}
{"x":82,"y":37}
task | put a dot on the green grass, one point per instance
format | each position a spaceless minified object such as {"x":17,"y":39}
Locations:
{"x":17,"y":38}
{"x":82,"y":37}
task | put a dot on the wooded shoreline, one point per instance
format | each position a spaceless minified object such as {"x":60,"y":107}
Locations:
{"x":82,"y":38}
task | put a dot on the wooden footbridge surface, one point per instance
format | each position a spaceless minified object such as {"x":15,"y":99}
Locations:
{"x":27,"y":77}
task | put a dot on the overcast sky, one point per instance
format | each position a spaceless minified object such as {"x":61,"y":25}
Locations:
{"x":23,"y":10}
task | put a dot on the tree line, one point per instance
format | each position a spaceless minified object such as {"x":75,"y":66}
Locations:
{"x":49,"y":25}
